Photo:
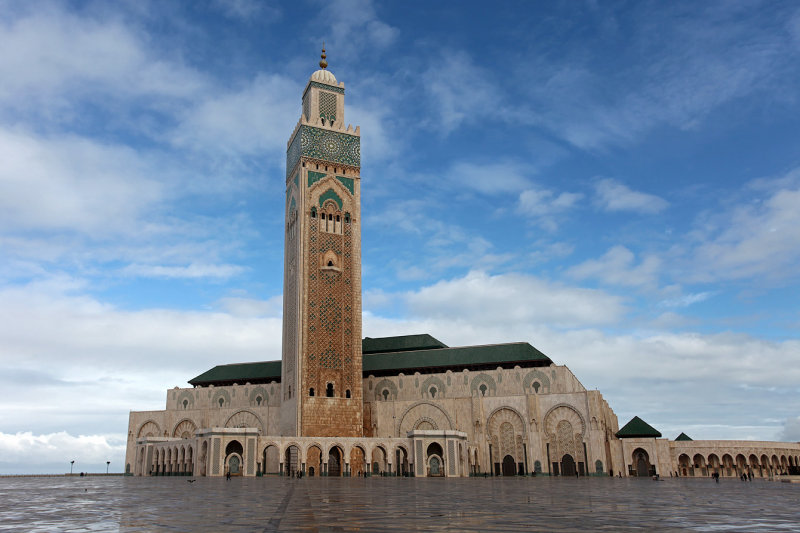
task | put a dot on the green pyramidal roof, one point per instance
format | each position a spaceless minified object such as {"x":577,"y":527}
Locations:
{"x":637,"y":428}
{"x":392,"y":355}
{"x":403,"y":343}
{"x":683,"y":436}
{"x":263,"y":372}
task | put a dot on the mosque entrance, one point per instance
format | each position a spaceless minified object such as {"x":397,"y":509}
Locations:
{"x":641,"y":463}
{"x":509,"y":466}
{"x":334,"y":462}
{"x":234,"y":453}
{"x":233,"y":466}
{"x":435,"y":459}
{"x":568,"y":466}
{"x":436,"y":466}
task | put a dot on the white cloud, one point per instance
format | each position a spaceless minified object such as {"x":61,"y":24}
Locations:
{"x":758,"y":239}
{"x":791,"y":430}
{"x":544,"y":206}
{"x":191,"y":271}
{"x":617,"y":267}
{"x":53,"y":54}
{"x":70,"y":183}
{"x":460,"y":92}
{"x":694,"y":65}
{"x":247,"y":10}
{"x":686,"y":300}
{"x":615,"y":196}
{"x":29,"y":449}
{"x":250,"y":120}
{"x":515,"y":298}
{"x":490,"y":178}
{"x":50,"y":324}
{"x":353,"y":26}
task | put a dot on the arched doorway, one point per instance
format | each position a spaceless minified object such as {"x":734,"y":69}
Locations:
{"x":435,"y":456}
{"x":641,"y":463}
{"x":357,"y":461}
{"x":568,"y":466}
{"x":401,"y":461}
{"x":313,"y":460}
{"x":509,"y":466}
{"x":233,"y":457}
{"x":271,"y":460}
{"x":291,"y":460}
{"x":378,"y":461}
{"x":335,"y":462}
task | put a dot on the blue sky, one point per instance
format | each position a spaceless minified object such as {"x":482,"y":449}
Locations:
{"x":616,"y":183}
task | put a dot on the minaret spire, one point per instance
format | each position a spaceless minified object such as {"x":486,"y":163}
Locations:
{"x":323,"y":63}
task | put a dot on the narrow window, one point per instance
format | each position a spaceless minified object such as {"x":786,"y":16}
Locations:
{"x":185,"y":403}
{"x":385,"y":394}
{"x":221,"y":402}
{"x":536,"y":386}
{"x":347,"y":393}
{"x":330,"y":263}
{"x":483,"y":389}
{"x":258,"y":400}
{"x":329,"y":390}
{"x":311,"y":391}
{"x":337,"y":218}
{"x":313,"y":212}
{"x":347,"y":217}
{"x":433,"y":392}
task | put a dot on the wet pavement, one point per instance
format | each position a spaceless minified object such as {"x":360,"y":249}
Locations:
{"x":396,"y":504}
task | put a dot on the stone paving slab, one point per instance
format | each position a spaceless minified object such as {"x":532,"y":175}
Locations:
{"x":396,"y":504}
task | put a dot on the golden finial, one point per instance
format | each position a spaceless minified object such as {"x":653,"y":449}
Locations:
{"x":322,"y":62}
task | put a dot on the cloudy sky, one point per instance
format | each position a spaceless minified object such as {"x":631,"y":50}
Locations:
{"x":616,"y":183}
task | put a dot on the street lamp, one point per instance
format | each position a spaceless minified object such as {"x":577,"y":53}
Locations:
{"x":108,"y":463}
{"x":70,"y":466}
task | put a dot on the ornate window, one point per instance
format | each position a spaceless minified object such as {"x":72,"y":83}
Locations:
{"x":329,"y":390}
{"x":311,"y":391}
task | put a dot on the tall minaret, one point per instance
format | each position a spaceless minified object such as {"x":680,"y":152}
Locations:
{"x":321,"y":369}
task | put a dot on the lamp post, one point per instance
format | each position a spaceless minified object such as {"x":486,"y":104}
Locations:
{"x":70,"y":466}
{"x":108,"y":463}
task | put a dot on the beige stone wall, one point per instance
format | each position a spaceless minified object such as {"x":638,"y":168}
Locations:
{"x":498,"y":408}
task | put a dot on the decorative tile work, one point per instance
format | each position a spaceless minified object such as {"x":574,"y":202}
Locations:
{"x":451,"y":457}
{"x":327,"y":106}
{"x":330,"y":194}
{"x":314,"y":177}
{"x":215,"y":458}
{"x":293,"y":154}
{"x":333,"y":88}
{"x":330,"y":146}
{"x":348,"y":182}
{"x":307,"y":105}
{"x":420,"y":460}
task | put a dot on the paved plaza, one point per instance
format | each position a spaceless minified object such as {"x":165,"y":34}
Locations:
{"x":395,"y":504}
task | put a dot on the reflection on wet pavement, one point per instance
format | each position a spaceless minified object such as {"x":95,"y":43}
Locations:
{"x":395,"y":504}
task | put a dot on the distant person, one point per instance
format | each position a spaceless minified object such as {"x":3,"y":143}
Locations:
{"x":228,"y":475}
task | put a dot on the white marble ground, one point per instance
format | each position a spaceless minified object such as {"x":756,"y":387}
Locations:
{"x":396,"y":504}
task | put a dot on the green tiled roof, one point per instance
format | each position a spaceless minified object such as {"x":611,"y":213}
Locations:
{"x":392,"y":355}
{"x":683,"y":436}
{"x":637,"y":428}
{"x":240,"y":373}
{"x":403,"y":343}
{"x":439,"y":360}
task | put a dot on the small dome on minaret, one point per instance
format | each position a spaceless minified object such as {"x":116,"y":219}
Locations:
{"x":322,"y":75}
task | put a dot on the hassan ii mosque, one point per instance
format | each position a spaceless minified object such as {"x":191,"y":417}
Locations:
{"x":337,"y":404}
